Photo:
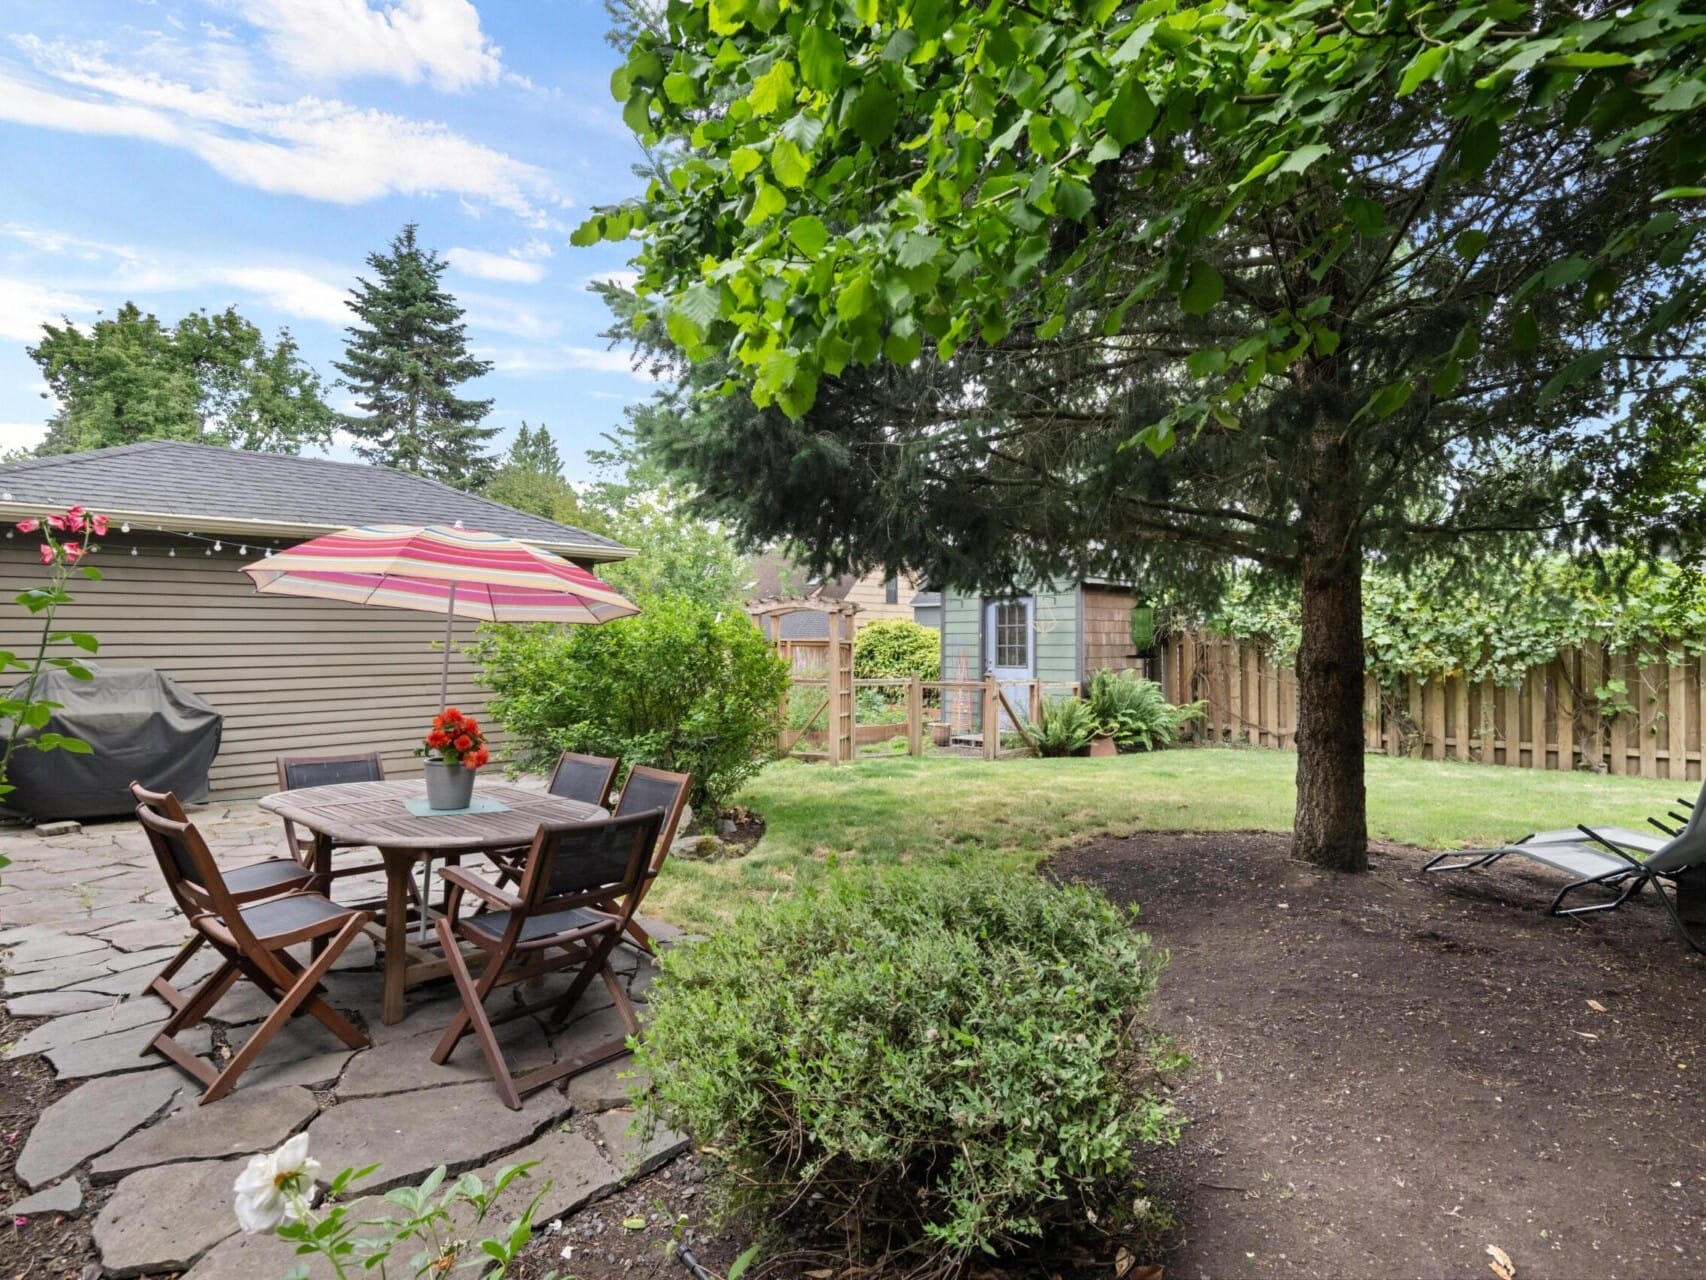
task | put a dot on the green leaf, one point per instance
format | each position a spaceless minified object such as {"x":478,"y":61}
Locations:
{"x":774,"y":89}
{"x":1525,"y":332}
{"x":681,"y":88}
{"x":82,"y":639}
{"x":789,"y":163}
{"x":1131,"y":114}
{"x":727,"y":16}
{"x":699,"y":304}
{"x":1072,"y":199}
{"x":808,"y":234}
{"x":1681,"y":193}
{"x":637,"y":113}
{"x":589,"y":232}
{"x":1300,"y":159}
{"x":743,"y":161}
{"x":1422,"y":67}
{"x":822,"y":57}
{"x":767,"y":202}
{"x":872,"y":113}
{"x":739,"y":1266}
{"x":1132,"y":47}
{"x":915,"y":250}
{"x":857,"y":297}
{"x":1203,"y":288}
{"x":1469,"y":243}
{"x":1479,"y":148}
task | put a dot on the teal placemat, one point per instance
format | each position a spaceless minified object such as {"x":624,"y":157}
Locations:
{"x":480,"y":804}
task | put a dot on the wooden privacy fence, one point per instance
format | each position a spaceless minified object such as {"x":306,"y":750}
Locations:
{"x":1586,"y":709}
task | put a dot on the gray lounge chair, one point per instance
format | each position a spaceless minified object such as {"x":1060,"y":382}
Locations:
{"x":1618,"y":859}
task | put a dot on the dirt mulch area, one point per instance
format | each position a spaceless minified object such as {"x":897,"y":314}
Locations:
{"x":49,"y":1246}
{"x":1396,"y":1071}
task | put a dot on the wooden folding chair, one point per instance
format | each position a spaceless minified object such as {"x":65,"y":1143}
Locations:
{"x":649,"y":788}
{"x":258,"y":880}
{"x":251,"y":940}
{"x":574,"y":871}
{"x":576,"y":777}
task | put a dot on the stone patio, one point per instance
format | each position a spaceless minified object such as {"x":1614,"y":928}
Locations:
{"x":87,"y":919}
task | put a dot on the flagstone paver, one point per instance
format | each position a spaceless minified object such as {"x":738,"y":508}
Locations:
{"x":246,"y":1121}
{"x":63,"y":1197}
{"x":85,"y":919}
{"x":121,"y":1051}
{"x":92,"y":1118}
{"x":162,"y":1220}
{"x":633,"y":1151}
{"x":460,"y":1126}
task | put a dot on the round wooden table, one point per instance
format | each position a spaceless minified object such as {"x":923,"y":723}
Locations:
{"x":378,"y":814}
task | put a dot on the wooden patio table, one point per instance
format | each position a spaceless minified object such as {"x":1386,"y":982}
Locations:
{"x":377,"y":814}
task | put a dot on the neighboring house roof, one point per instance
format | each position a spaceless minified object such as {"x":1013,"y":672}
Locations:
{"x":179,"y":485}
{"x":775,"y":577}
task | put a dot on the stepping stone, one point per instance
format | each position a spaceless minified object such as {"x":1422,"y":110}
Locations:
{"x":113,"y":1016}
{"x":633,"y":1154}
{"x":51,"y":1004}
{"x":238,"y":1124}
{"x":34,"y":953}
{"x":401,"y":1066}
{"x":62,"y":1198}
{"x":304,"y":1053}
{"x":52,"y":979}
{"x":263,"y":1255}
{"x":573,"y":1164}
{"x":162,"y":1220}
{"x":91,"y":1118}
{"x":459,"y":1126}
{"x":596,"y":1030}
{"x":142,"y":935}
{"x":612,"y":1084}
{"x":121,"y":1051}
{"x":314,"y":1072}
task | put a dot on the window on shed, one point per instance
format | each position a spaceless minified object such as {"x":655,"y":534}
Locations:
{"x":891,"y":591}
{"x":1012,"y":634}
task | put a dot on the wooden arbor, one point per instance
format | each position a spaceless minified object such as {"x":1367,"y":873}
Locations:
{"x":836,"y":682}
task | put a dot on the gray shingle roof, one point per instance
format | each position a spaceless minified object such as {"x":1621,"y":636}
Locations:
{"x":208,"y":483}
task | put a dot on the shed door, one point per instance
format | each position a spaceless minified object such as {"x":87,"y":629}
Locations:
{"x":1010,"y":640}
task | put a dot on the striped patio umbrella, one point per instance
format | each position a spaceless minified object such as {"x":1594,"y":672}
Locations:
{"x":461,"y":573}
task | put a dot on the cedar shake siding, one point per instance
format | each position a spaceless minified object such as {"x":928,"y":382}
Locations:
{"x":291,"y":676}
{"x":1107,"y":630}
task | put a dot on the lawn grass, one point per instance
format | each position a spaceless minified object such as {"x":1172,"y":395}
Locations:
{"x":1017,"y":811}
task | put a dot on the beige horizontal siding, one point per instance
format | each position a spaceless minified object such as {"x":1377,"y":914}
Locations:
{"x":291,"y":677}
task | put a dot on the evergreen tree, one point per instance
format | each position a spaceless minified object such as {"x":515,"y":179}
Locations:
{"x":531,"y":479}
{"x":404,"y":360}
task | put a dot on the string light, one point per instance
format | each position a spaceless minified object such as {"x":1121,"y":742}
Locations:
{"x":125,"y":527}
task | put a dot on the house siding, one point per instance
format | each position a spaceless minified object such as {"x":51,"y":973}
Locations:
{"x":291,"y":676}
{"x":1055,"y":646}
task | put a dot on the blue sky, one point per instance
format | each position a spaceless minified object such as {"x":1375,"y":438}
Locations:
{"x":203,"y":153}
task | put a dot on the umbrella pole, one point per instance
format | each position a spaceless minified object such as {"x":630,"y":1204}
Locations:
{"x":444,"y":667}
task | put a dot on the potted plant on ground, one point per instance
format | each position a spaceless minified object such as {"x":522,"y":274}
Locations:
{"x":454,"y":751}
{"x":941,"y":733}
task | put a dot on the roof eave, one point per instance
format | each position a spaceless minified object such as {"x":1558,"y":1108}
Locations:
{"x":256,"y":529}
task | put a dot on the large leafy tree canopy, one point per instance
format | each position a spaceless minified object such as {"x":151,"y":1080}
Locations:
{"x":211,"y":377}
{"x":1027,"y":289}
{"x":406,"y":356}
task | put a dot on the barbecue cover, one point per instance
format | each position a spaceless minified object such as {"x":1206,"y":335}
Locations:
{"x":144,"y":727}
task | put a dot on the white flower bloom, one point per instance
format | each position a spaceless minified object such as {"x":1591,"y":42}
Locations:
{"x":272,"y":1187}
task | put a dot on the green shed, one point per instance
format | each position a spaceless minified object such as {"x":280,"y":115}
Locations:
{"x":1052,"y":638}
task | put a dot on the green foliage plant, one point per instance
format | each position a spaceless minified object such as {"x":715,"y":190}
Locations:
{"x":897,"y":648}
{"x":67,"y":539}
{"x":1134,"y":712}
{"x":682,"y":686}
{"x":1064,"y":726}
{"x":934,"y":1064}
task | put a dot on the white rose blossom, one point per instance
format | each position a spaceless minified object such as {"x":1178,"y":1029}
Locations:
{"x":274,"y":1188}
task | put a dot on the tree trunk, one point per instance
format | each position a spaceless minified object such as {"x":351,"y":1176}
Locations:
{"x":1332,"y":813}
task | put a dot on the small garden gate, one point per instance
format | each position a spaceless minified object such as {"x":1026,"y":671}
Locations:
{"x":837,"y":679}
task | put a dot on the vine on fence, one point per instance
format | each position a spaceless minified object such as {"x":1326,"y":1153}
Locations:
{"x":1431,"y":624}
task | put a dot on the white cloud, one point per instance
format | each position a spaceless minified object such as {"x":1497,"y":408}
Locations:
{"x":21,"y":435}
{"x":294,"y":292}
{"x":548,"y":360}
{"x":622,"y":279}
{"x":25,"y":306}
{"x":319,"y":148}
{"x":408,"y":40}
{"x":511,"y":268}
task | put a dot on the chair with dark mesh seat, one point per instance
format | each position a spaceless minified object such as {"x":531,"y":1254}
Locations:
{"x":648,"y":788}
{"x":584,"y":778}
{"x":559,"y":919}
{"x":258,"y":880}
{"x":296,"y":772}
{"x":251,"y":941}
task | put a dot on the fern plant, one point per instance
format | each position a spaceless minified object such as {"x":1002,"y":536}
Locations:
{"x":1134,"y":712}
{"x":1064,"y":726}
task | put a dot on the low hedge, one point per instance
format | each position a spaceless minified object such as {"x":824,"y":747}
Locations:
{"x":923,"y":1065}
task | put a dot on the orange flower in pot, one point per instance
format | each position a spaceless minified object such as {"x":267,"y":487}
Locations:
{"x":455,"y":749}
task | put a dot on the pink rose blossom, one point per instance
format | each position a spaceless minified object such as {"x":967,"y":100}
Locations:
{"x":28,"y":526}
{"x":46,"y":553}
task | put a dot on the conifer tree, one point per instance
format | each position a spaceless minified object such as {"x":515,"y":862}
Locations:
{"x":404,"y":360}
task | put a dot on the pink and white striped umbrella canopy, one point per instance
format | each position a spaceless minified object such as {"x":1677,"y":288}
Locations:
{"x":460,"y":573}
{"x":438,"y":569}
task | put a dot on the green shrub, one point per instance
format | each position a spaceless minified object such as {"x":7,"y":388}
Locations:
{"x":1134,"y":710}
{"x":683,"y":686}
{"x":897,"y":649}
{"x":932,"y":1062}
{"x":1064,"y":726}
